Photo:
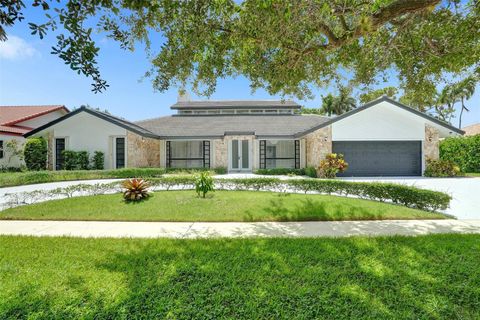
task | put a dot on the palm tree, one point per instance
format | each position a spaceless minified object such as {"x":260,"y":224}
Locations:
{"x":343,"y":102}
{"x":327,"y":104}
{"x":338,"y":104}
{"x":445,"y":103}
{"x":462,"y":91}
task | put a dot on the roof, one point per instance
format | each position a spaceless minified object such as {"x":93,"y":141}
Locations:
{"x":102,"y":115}
{"x":236,"y":104}
{"x":178,"y":127}
{"x":395,"y":103}
{"x":472,"y":130}
{"x":10,"y":116}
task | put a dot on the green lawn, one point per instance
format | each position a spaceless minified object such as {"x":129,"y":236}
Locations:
{"x":426,"y":277}
{"x":218,"y":206}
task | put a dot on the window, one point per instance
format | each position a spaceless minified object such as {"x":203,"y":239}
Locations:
{"x":279,"y":154}
{"x":1,"y":149}
{"x":59,"y":148}
{"x":119,"y":153}
{"x":188,"y":154}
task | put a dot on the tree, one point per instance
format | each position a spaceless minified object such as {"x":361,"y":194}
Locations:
{"x":339,"y":104}
{"x":375,"y":94}
{"x":462,"y":91}
{"x":327,"y":105}
{"x":286,"y":47}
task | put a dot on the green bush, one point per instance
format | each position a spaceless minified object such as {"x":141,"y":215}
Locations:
{"x":98,"y":160}
{"x":70,"y":160}
{"x":83,"y":160}
{"x":281,"y":172}
{"x":311,"y":172}
{"x":203,"y":184}
{"x":35,"y":154}
{"x":464,"y":151}
{"x":441,"y":168}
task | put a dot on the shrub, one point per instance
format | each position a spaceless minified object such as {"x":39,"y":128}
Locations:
{"x":70,"y":160}
{"x":35,"y":153}
{"x":83,"y":161}
{"x":203,"y":184}
{"x":331,"y":165}
{"x":311,"y":172}
{"x":98,"y":160}
{"x":441,"y":168}
{"x":464,"y":151}
{"x":135,"y":189}
{"x":281,"y":172}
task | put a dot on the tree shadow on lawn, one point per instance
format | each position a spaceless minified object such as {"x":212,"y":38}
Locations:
{"x":313,"y":210}
{"x":361,"y":278}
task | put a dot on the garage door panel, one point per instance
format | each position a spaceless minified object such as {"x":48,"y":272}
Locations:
{"x":380,"y":158}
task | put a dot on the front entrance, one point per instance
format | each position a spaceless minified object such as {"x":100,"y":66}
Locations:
{"x":239,"y":155}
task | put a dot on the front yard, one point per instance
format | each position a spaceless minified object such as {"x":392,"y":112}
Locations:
{"x":352,"y":278}
{"x":218,"y":206}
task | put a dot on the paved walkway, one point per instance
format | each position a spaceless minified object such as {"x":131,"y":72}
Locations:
{"x":235,"y":230}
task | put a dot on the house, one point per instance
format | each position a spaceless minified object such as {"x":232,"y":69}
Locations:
{"x":381,"y":138}
{"x":15,"y":121}
{"x":472,"y":130}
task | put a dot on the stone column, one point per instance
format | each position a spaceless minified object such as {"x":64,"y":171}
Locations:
{"x":431,"y":143}
{"x":318,"y":144}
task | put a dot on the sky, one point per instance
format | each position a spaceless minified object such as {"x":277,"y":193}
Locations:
{"x":30,"y":75}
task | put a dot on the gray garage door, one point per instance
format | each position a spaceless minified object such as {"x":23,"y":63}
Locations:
{"x":380,"y":158}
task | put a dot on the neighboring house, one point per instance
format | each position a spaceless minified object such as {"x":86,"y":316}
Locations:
{"x":472,"y":130}
{"x":15,"y":121}
{"x":381,"y":138}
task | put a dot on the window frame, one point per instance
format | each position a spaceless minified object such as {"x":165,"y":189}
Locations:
{"x":205,"y":158}
{"x":264,"y":158}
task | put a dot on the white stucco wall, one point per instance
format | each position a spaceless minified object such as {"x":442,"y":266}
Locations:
{"x":381,"y":122}
{"x":41,"y":120}
{"x":85,"y":132}
{"x":8,"y":160}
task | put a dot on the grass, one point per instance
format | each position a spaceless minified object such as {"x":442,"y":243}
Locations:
{"x":8,"y":179}
{"x":472,"y":174}
{"x":218,"y":206}
{"x":425,"y":277}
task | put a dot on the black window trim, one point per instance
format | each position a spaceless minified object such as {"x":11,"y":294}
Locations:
{"x":264,"y":158}
{"x":206,"y":153}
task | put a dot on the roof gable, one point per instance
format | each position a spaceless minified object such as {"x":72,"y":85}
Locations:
{"x":102,"y":115}
{"x":392,"y":102}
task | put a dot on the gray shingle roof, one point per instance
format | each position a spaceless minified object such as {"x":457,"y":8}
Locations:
{"x":235,"y":104}
{"x":287,"y":126}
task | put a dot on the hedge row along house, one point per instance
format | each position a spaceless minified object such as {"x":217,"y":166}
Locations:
{"x":381,"y":138}
{"x":15,"y":121}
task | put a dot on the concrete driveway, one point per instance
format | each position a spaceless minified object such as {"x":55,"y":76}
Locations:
{"x":464,"y":191}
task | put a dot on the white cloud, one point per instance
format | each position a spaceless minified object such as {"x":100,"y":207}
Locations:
{"x":16,"y":48}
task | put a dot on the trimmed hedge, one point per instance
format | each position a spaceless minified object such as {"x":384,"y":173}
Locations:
{"x":281,"y":172}
{"x":408,"y":196}
{"x":31,"y":177}
{"x":464,"y":151}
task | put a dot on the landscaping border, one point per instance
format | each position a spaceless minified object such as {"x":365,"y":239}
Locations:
{"x":407,"y":196}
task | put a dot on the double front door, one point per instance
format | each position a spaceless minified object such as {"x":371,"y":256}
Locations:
{"x":239,"y":155}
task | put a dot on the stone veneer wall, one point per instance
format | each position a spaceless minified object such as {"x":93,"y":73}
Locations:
{"x":221,"y":150}
{"x":431,"y":143}
{"x":318,"y":144}
{"x":141,"y":151}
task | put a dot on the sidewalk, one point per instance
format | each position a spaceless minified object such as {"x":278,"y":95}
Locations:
{"x":235,"y":229}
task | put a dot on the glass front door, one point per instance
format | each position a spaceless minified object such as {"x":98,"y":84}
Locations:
{"x":240,"y":155}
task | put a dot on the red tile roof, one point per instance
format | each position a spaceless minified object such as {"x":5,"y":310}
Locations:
{"x":472,"y":130}
{"x":11,"y":115}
